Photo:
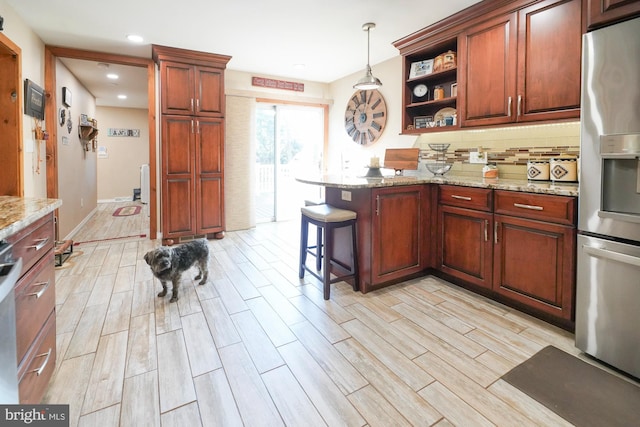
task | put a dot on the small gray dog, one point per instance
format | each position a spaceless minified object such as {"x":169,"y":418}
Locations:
{"x":168,"y":263}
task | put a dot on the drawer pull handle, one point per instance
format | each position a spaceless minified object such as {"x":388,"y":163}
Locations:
{"x":531,"y":207}
{"x":42,"y":244}
{"x":455,"y":196}
{"x":39,"y":370}
{"x":38,"y":294}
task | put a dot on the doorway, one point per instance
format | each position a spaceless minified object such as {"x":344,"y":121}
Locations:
{"x":11,"y":183}
{"x":290,"y":141}
{"x":51,"y":54}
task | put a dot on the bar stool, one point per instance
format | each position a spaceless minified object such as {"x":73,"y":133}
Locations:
{"x":327,"y":218}
{"x":318,"y":245}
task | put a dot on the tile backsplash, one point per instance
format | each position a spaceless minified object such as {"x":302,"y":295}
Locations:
{"x":510,"y":148}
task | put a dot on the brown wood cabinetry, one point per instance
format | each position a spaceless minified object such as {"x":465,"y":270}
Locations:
{"x":394,"y":231}
{"x":607,"y":12}
{"x":426,"y":108}
{"x":191,"y":89}
{"x":35,"y":309}
{"x":534,"y":256}
{"x":517,"y":62}
{"x":522,"y":66}
{"x":464,"y":234}
{"x":192,"y":142}
{"x":519,"y":246}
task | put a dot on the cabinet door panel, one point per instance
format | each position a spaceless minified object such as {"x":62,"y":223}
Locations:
{"x":177,"y":211}
{"x":209,"y":92}
{"x":210,"y":146}
{"x":535,"y":264}
{"x":177,"y":146}
{"x":549,"y":57}
{"x":488,"y":72}
{"x":209,"y":194}
{"x":177,"y":88}
{"x":399,"y":235}
{"x":465,"y":244}
{"x":604,"y":12}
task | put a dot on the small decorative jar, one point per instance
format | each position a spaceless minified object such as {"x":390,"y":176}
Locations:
{"x":490,"y":171}
{"x":564,"y":169}
{"x":438,"y":93}
{"x":538,"y":170}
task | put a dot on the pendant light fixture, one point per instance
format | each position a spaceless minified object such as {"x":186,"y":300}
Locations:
{"x":369,"y":81}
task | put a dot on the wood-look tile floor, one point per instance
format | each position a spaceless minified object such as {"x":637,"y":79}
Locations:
{"x":258,"y":346}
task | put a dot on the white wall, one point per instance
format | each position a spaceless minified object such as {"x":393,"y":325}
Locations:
{"x":341,"y":146}
{"x":35,"y":184}
{"x":119,"y":173}
{"x":76,"y":166}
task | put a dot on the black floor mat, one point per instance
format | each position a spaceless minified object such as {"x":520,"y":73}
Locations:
{"x":582,"y":394}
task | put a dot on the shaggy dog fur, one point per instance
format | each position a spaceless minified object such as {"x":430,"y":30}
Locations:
{"x":168,"y":263}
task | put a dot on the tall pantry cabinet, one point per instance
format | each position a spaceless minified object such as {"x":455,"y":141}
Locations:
{"x":191,"y":142}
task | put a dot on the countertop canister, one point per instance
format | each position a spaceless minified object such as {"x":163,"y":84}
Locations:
{"x":563,"y":169}
{"x":538,"y":170}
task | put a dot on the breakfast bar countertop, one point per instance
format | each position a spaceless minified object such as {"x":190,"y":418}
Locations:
{"x":17,"y":213}
{"x":413,"y":177}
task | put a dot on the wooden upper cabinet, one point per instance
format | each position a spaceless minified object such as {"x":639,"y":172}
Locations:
{"x":488,"y":72}
{"x":191,"y":89}
{"x":549,"y":58}
{"x":523,"y":66}
{"x":606,"y":12}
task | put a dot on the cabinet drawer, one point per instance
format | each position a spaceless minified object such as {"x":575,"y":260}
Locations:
{"x":544,"y":207}
{"x":33,"y":242}
{"x":36,"y":370}
{"x":466,"y":197}
{"x":35,"y":300}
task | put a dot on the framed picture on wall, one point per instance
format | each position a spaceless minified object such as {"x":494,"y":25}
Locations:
{"x":33,"y":100}
{"x":66,"y":97}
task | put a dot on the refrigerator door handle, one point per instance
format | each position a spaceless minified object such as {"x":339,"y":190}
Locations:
{"x":613,"y":256}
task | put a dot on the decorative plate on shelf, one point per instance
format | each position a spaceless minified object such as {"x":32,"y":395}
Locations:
{"x":444,"y":113}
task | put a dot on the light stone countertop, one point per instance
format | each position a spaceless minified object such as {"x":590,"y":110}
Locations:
{"x":414,"y":177}
{"x":17,"y":213}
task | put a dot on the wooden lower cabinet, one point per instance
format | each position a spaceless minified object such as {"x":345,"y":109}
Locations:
{"x":514,"y":246}
{"x":192,"y":176}
{"x":394,"y":232}
{"x":465,"y":244}
{"x":534,"y":264}
{"x":35,"y":308}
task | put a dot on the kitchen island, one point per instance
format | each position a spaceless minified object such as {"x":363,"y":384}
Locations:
{"x":27,"y":224}
{"x":510,"y":240}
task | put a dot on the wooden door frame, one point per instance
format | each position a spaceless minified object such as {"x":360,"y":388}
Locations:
{"x":52,"y":53}
{"x":10,"y":46}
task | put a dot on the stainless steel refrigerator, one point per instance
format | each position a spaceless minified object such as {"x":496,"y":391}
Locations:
{"x":608,"y":265}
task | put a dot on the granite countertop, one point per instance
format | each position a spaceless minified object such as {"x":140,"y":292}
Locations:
{"x":413,"y":177}
{"x":17,"y":213}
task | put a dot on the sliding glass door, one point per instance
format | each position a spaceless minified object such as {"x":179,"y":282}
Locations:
{"x":289,"y":142}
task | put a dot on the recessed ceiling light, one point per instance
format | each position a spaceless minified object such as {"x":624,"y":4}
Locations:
{"x":112,"y":76}
{"x":135,"y":38}
{"x":122,"y":96}
{"x":299,"y":66}
{"x":103,"y":65}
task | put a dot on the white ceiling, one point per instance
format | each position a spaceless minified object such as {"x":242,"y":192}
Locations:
{"x":266,"y":37}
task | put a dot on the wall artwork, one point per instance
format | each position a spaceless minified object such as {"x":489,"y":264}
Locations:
{"x":33,"y":100}
{"x":123,"y":132}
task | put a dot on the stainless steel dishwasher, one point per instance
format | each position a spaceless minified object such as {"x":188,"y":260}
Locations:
{"x":9,"y":274}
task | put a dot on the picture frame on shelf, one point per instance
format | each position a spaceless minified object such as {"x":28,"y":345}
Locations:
{"x":422,"y":122}
{"x":421,"y":68}
{"x":454,"y":89}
